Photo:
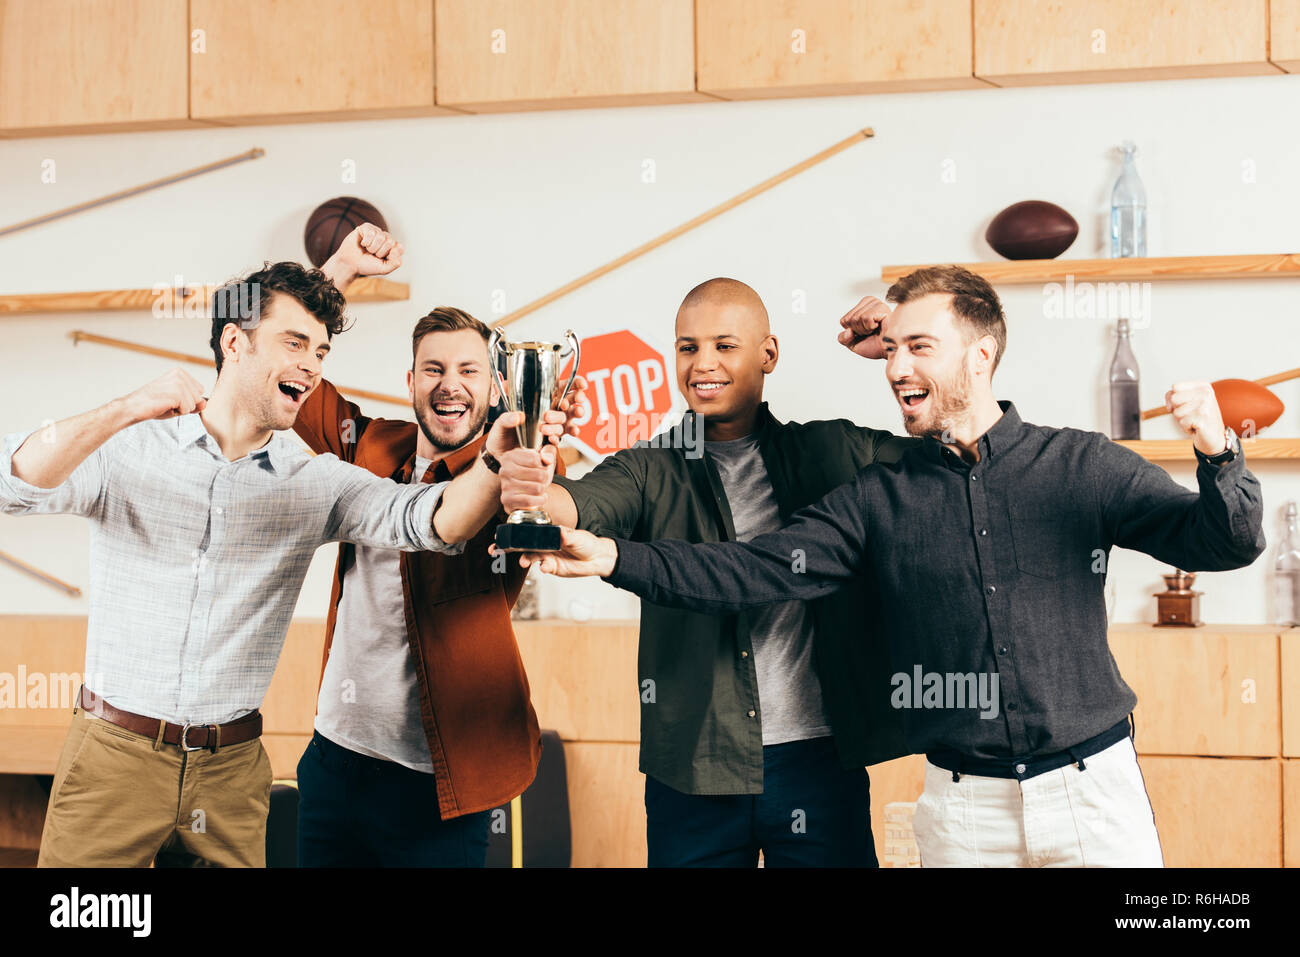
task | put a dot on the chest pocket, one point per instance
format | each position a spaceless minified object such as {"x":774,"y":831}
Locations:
{"x":449,"y":577}
{"x":1043,"y":540}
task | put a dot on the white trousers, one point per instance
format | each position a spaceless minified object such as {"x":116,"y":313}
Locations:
{"x":1098,"y":817}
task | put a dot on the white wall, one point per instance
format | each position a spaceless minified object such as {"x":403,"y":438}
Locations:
{"x":523,"y":203}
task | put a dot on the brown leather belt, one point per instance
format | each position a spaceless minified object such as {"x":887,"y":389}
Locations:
{"x":187,"y":737}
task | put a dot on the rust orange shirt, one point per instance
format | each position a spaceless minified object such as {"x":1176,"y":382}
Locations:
{"x":474,"y":701}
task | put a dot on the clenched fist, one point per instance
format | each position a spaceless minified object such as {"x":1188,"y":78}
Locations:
{"x":525,"y":477}
{"x":1196,"y":410}
{"x":366,"y":251}
{"x":176,"y":393}
{"x":862,"y":328}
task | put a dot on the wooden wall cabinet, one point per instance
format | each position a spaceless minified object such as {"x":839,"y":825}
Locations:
{"x":1284,"y":34}
{"x":1216,"y":812}
{"x":311,"y":60}
{"x":498,"y":55}
{"x":1291,"y":813}
{"x":768,"y":48}
{"x":1290,"y":692}
{"x":80,"y":66}
{"x":1212,"y":690}
{"x":1036,"y":42}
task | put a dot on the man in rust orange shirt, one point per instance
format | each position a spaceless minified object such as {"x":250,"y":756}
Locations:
{"x":424,"y":722}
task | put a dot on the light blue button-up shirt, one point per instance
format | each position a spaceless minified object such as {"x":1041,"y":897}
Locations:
{"x":196,"y":562}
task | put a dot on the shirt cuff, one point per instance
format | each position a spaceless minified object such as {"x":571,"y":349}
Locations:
{"x":421,"y":516}
{"x":624,"y":573}
{"x":13,"y":490}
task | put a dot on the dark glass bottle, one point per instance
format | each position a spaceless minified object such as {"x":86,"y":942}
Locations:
{"x":1125,"y":406}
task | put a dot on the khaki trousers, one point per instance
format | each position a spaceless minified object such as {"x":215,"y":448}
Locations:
{"x":120,"y":799}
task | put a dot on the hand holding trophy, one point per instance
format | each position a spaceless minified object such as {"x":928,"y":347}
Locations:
{"x":528,"y":374}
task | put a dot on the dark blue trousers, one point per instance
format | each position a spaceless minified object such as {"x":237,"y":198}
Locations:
{"x":358,"y":811}
{"x":812,"y":813}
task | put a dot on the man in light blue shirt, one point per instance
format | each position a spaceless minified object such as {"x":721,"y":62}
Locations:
{"x":204,"y":521}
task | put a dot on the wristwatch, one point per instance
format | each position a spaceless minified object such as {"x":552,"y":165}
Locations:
{"x":1232,"y":450}
{"x":490,"y":460}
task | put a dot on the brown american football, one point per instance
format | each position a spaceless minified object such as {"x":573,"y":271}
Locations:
{"x":1033,"y":229}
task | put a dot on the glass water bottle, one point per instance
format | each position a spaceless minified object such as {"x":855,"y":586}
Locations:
{"x":1128,"y":210}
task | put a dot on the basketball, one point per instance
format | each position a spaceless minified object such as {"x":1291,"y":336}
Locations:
{"x":330,"y":223}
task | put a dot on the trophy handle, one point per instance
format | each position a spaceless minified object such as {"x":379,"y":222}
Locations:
{"x":577,"y":357}
{"x":495,"y":341}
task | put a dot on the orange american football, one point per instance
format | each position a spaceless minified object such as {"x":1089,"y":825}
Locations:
{"x":1248,"y":408}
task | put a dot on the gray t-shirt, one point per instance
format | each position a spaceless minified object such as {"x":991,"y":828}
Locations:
{"x":781,"y":633}
{"x":369,"y":698}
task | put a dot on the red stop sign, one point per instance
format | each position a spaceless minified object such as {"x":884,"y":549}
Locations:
{"x":628,"y":395}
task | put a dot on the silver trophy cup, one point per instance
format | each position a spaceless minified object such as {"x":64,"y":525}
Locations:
{"x":527,"y":374}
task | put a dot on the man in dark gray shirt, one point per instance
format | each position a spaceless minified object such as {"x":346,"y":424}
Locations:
{"x":988,"y":543}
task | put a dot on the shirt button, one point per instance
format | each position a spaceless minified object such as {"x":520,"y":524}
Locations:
{"x":1002,"y":649}
{"x":1020,"y":769}
{"x":984,"y":531}
{"x":744,"y":654}
{"x":974,"y":478}
{"x":992,"y":589}
{"x":752,"y":713}
{"x":1011,"y":706}
{"x":220,"y":510}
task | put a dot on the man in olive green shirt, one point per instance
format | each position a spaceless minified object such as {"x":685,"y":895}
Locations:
{"x":755,"y":728}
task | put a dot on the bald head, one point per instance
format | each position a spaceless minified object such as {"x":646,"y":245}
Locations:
{"x":732,"y":297}
{"x":725,"y":347}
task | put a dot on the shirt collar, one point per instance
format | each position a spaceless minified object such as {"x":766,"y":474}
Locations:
{"x":1003,"y":434}
{"x":764,"y":422}
{"x":190,"y":430}
{"x":447,"y":467}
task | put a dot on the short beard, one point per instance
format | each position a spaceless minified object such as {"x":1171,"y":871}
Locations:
{"x":475,"y":426}
{"x":953,"y":406}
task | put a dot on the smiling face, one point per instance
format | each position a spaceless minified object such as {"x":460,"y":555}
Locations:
{"x":277,"y":364}
{"x":451,"y":389}
{"x":935,"y":365}
{"x":724,"y":349}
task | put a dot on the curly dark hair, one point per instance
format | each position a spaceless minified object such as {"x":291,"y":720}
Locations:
{"x":243,"y":301}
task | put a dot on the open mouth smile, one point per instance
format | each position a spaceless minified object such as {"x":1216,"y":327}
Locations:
{"x":295,"y":390}
{"x":911,"y":399}
{"x":449,"y":413}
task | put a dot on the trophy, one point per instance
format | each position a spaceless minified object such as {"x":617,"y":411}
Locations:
{"x":527,"y":374}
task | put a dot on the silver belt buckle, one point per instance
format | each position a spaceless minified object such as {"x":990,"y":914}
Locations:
{"x":185,"y":729}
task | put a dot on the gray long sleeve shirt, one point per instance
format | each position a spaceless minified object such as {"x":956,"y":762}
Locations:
{"x":995,"y":569}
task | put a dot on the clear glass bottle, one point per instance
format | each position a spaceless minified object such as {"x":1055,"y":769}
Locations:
{"x":1125,"y":406}
{"x":1128,"y":210}
{"x":1286,"y":571}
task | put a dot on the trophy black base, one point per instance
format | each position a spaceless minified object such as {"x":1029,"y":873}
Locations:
{"x":526,"y":537}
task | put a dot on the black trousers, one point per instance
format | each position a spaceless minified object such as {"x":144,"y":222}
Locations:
{"x":358,"y":811}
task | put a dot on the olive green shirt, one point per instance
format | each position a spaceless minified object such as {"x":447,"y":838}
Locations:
{"x":701,"y":722}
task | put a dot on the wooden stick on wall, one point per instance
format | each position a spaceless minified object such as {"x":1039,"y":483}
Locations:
{"x":36,"y":573}
{"x":686,"y":227}
{"x":1267,"y":380}
{"x":254,"y":153}
{"x":79,"y":336}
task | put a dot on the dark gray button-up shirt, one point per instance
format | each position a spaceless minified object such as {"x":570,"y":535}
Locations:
{"x":994,"y":571}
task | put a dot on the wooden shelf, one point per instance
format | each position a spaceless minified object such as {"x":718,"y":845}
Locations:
{"x":1011,"y":272}
{"x":187,"y":302}
{"x":1180,"y":450}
